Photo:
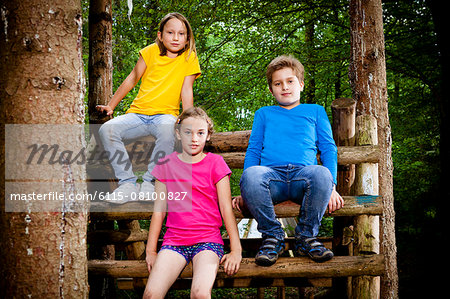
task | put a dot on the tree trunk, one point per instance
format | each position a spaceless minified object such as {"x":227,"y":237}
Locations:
{"x":100,"y":92}
{"x":43,"y":254}
{"x":368,"y":78}
{"x":100,"y":58}
{"x":309,"y":94}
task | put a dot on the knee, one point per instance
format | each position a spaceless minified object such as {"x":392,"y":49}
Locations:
{"x":252,"y":175}
{"x":321,"y":177}
{"x":151,"y":293}
{"x":106,"y":131}
{"x":166,"y":137}
{"x":200,"y":293}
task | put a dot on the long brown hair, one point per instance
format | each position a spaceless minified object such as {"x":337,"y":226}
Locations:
{"x":190,"y":45}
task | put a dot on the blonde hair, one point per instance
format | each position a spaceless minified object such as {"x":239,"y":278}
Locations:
{"x":190,"y":45}
{"x":282,"y":62}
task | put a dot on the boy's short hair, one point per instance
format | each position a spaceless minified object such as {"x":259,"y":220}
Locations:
{"x":282,"y":62}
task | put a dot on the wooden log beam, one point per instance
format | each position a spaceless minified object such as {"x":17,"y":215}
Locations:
{"x":339,"y":266}
{"x":232,"y":146}
{"x":346,"y":155}
{"x":223,"y":142}
{"x":354,"y":205}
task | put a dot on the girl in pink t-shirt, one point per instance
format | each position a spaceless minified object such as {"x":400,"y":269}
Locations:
{"x":193,"y":190}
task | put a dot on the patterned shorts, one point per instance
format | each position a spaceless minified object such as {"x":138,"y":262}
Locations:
{"x":188,"y":252}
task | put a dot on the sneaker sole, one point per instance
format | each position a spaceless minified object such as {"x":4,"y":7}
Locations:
{"x":319,"y":259}
{"x":323,"y":258}
{"x":265,"y":261}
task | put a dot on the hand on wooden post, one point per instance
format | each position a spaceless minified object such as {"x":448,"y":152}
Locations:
{"x":336,"y":201}
{"x":105,"y":108}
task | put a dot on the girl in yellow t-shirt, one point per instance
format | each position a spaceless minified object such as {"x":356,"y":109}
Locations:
{"x":167,"y":70}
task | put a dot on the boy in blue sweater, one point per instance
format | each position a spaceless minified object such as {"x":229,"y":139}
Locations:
{"x":280,"y":164}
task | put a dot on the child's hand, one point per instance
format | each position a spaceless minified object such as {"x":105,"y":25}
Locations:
{"x":150,"y":259}
{"x":105,"y":108}
{"x":336,"y":201}
{"x":231,"y":262}
{"x":236,"y":203}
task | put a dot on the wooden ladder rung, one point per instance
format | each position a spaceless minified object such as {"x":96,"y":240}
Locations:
{"x":339,"y":266}
{"x":354,"y":205}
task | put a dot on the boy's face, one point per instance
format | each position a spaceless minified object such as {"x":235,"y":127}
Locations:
{"x":286,"y":88}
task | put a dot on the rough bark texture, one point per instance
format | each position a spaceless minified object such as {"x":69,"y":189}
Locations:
{"x":100,"y":68}
{"x":368,"y":77}
{"x":43,"y":254}
{"x":100,"y":58}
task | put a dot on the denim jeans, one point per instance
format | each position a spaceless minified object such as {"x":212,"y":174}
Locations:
{"x":310,"y":186}
{"x":132,"y":126}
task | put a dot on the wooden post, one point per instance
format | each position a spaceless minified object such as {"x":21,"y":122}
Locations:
{"x":366,"y":227}
{"x":134,"y":250}
{"x":343,"y":113}
{"x":100,"y":92}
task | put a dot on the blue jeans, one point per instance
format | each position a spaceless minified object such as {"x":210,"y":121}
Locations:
{"x":132,"y":126}
{"x":263,"y":187}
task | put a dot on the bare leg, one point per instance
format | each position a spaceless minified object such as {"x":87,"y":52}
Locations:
{"x":165,"y":271}
{"x":205,"y":265}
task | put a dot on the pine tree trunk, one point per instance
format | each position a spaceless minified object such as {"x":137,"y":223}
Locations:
{"x":43,"y":254}
{"x":368,"y":78}
{"x":100,"y":58}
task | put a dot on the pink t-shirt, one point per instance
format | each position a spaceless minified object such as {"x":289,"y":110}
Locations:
{"x":193,"y":209}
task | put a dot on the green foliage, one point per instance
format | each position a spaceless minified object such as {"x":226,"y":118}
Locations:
{"x":237,"y":39}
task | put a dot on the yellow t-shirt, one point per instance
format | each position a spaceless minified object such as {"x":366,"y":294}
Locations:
{"x":160,"y":90}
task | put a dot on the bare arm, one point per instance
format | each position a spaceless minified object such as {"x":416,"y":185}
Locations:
{"x":187,"y":93}
{"x":158,"y":216}
{"x":128,"y":84}
{"x":233,"y":259}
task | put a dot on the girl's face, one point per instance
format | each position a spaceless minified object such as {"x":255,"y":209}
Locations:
{"x":174,"y":37}
{"x":193,"y":134}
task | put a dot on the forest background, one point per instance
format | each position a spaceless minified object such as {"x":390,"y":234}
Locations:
{"x":237,"y":39}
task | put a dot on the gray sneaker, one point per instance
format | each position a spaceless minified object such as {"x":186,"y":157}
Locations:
{"x":313,"y":248}
{"x":147,"y":189}
{"x":124,"y":193}
{"x":269,"y":251}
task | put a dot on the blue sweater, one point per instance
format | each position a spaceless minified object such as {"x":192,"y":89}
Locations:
{"x":281,"y":136}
